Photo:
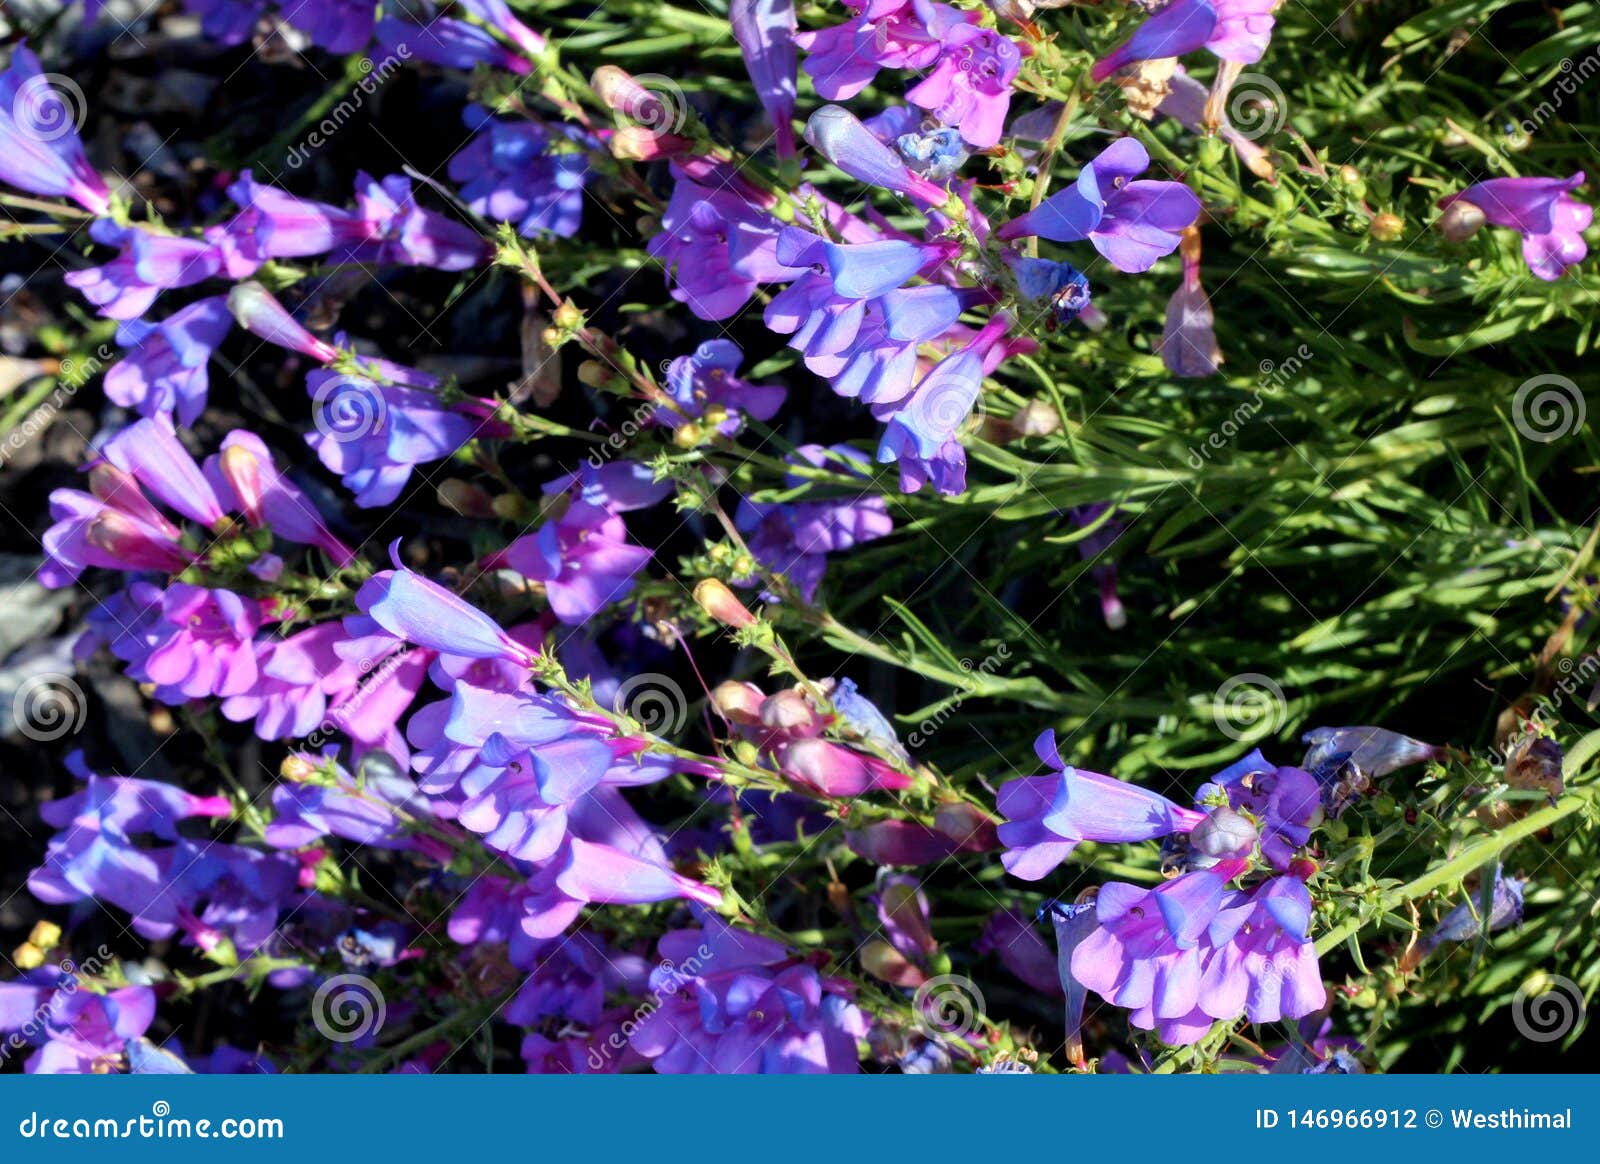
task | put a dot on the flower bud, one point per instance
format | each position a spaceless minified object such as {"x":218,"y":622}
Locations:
{"x":1386,"y":227}
{"x":787,"y":711}
{"x":260,"y":314}
{"x":465,"y":498}
{"x":242,"y":472}
{"x":713,"y":596}
{"x":739,"y":702}
{"x":1224,"y":833}
{"x":1459,"y":221}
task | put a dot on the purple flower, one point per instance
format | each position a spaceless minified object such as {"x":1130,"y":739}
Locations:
{"x":582,"y":556}
{"x":340,"y":26}
{"x":1131,"y":223}
{"x":1049,"y":816}
{"x":401,"y":232}
{"x":374,"y":427}
{"x":510,"y":173}
{"x":765,"y":30}
{"x":970,"y":87}
{"x":274,"y":224}
{"x":247,"y":481}
{"x":794,"y":538}
{"x":366,"y":811}
{"x":298,"y":677}
{"x":879,"y":366}
{"x":836,"y":134}
{"x":227,"y":22}
{"x":1465,"y":921}
{"x":705,"y":387}
{"x":191,"y":642}
{"x":716,"y":248}
{"x":1189,"y":340}
{"x":40,"y":151}
{"x":824,"y":308}
{"x":517,"y":762}
{"x":1284,"y":803}
{"x":255,"y":310}
{"x":926,"y":422}
{"x":1543,"y":210}
{"x":619,"y":486}
{"x":76,"y":1031}
{"x":454,"y":44}
{"x":166,"y":370}
{"x":892,"y":34}
{"x":733,"y":1003}
{"x":1191,"y":952}
{"x":1011,"y":937}
{"x":125,"y":287}
{"x":115,"y":525}
{"x":497,"y":16}
{"x":1234,"y":30}
{"x":412,"y":608}
{"x":1346,"y":761}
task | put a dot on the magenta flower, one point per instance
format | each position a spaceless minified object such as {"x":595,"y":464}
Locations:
{"x":298,"y":677}
{"x":1233,"y":30}
{"x":1191,"y":952}
{"x":970,"y":88}
{"x":582,"y":556}
{"x":716,"y":248}
{"x":1188,"y":344}
{"x":247,"y":481}
{"x":1051,"y":815}
{"x":884,"y":34}
{"x":1132,"y":223}
{"x":193,"y":642}
{"x":40,"y":150}
{"x":1542,"y":210}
